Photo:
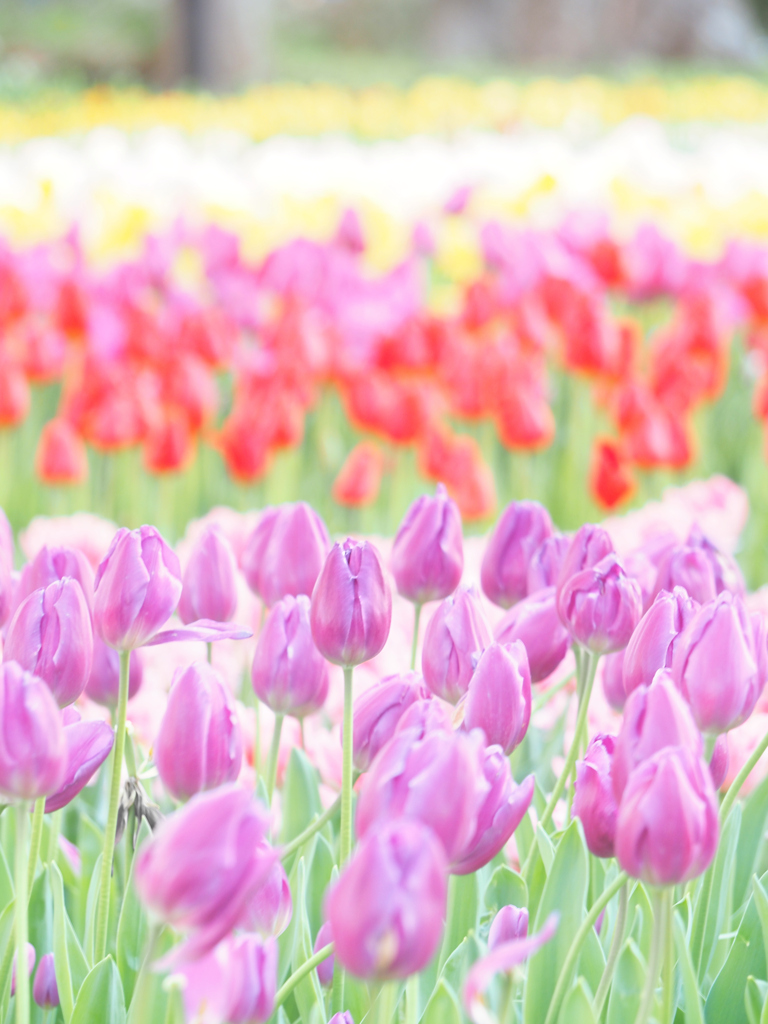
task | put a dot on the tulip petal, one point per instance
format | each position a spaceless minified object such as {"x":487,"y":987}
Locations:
{"x":203,"y":629}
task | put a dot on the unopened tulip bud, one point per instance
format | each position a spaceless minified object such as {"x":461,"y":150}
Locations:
{"x":236,"y":982}
{"x":45,"y":991}
{"x":547,"y":562}
{"x":498,"y":700}
{"x":508,"y":924}
{"x":613,"y":679}
{"x":199,"y":745}
{"x":324,"y":969}
{"x":31,"y":957}
{"x":289,"y":674}
{"x":51,"y":564}
{"x":718,"y":763}
{"x":427,"y":553}
{"x":593,"y":799}
{"x":520,"y":530}
{"x":588,"y":546}
{"x":600,"y":606}
{"x":652,"y":644}
{"x":285,"y":552}
{"x":209,"y":586}
{"x":33,"y":751}
{"x":88,"y":747}
{"x":377,"y":712}
{"x":456,"y":636}
{"x":104,"y":682}
{"x":535,"y":622}
{"x":343,"y":1017}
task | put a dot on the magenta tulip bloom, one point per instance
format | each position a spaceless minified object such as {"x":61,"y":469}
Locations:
{"x":589,"y":545}
{"x":715,"y":665}
{"x":50,"y":565}
{"x":88,"y":747}
{"x":285,"y":552}
{"x":546,"y":562}
{"x":351,"y":604}
{"x":209,"y":587}
{"x":428,"y":552}
{"x":137,"y":588}
{"x":31,"y":958}
{"x":456,"y":636}
{"x":520,"y":530}
{"x":498,"y":700}
{"x":343,"y":1017}
{"x":593,"y":799}
{"x":652,"y":644}
{"x":325,"y":968}
{"x":199,"y":745}
{"x":718,"y":763}
{"x":535,"y":622}
{"x":509,"y":923}
{"x":387,"y":909}
{"x":600,"y":606}
{"x":700,"y":568}
{"x":45,"y":991}
{"x":234,"y":984}
{"x":426,"y":716}
{"x":613,"y":679}
{"x":760,"y":634}
{"x":376,"y":714}
{"x":104,"y":681}
{"x":289,"y":674}
{"x":33,"y":751}
{"x":667,"y":828}
{"x":270,"y":908}
{"x":51,"y":636}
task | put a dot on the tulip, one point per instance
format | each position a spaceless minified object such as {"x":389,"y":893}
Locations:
{"x":289,"y":674}
{"x":589,"y":545}
{"x":654,"y":717}
{"x":424,"y":717}
{"x":715,"y":665}
{"x":351,"y":604}
{"x":325,"y":968}
{"x":7,"y":546}
{"x":509,"y":923}
{"x":498,"y":700}
{"x":209,"y":587}
{"x":667,"y":827}
{"x":45,"y":991}
{"x":51,"y":564}
{"x":427,"y":553}
{"x":613,"y":679}
{"x":378,"y":711}
{"x":51,"y":636}
{"x":639,"y":567}
{"x":700,"y":568}
{"x":104,"y":682}
{"x":137,"y":588}
{"x":718,"y":762}
{"x":546,"y":562}
{"x":285,"y":552}
{"x":652,"y":644}
{"x":387,"y":909}
{"x":271,"y":907}
{"x":199,"y":745}
{"x":600,"y":606}
{"x":88,"y":746}
{"x":593,"y":799}
{"x":535,"y":622}
{"x":456,"y":636}
{"x":31,"y":957}
{"x":61,"y":457}
{"x":33,"y":752}
{"x":235,"y":983}
{"x":760,"y":633}
{"x":358,"y":482}
{"x":343,"y":1017}
{"x":520,"y":530}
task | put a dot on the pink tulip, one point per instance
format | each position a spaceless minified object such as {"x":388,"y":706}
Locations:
{"x":289,"y":674}
{"x":51,"y":564}
{"x":104,"y":681}
{"x":377,"y":712}
{"x":209,"y":587}
{"x":456,"y":636}
{"x":640,"y":568}
{"x":235,"y":983}
{"x":718,"y":763}
{"x":589,"y":545}
{"x":593,"y":799}
{"x":652,"y":644}
{"x":45,"y":991}
{"x":498,"y":700}
{"x":613,"y":679}
{"x":547,"y":562}
{"x":31,"y":957}
{"x":519,"y":532}
{"x":325,"y":968}
{"x":426,"y":716}
{"x":600,"y":606}
{"x":700,"y":568}
{"x":535,"y":622}
{"x":427,"y":554}
{"x":343,"y":1017}
{"x":285,"y":552}
{"x":270,"y":908}
{"x":33,"y":751}
{"x":510,"y":923}
{"x":88,"y":746}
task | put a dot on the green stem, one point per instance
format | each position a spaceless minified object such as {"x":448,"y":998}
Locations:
{"x":310,"y":830}
{"x":20,"y":877}
{"x":37,"y":835}
{"x":309,"y":965}
{"x":274,"y":750}
{"x":738,"y":782}
{"x":654,"y":959}
{"x":668,"y":963}
{"x":385,"y":1004}
{"x":102,"y":913}
{"x":415,"y":643}
{"x":52,"y":842}
{"x":544,"y":698}
{"x":613,"y":952}
{"x":506,"y":999}
{"x":412,"y":999}
{"x":345,"y":831}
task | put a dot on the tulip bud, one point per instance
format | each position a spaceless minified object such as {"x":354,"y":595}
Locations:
{"x":600,"y":606}
{"x":377,"y":712}
{"x":593,"y":799}
{"x":351,"y":604}
{"x":535,"y":621}
{"x":715,"y":665}
{"x":289,"y":674}
{"x":199,"y":745}
{"x":88,"y":746}
{"x":718,"y":763}
{"x":104,"y":682}
{"x":700,"y":568}
{"x":33,"y":752}
{"x":285,"y":552}
{"x":652,"y":644}
{"x":667,"y":827}
{"x":236,"y":982}
{"x":547,"y":562}
{"x":45,"y":991}
{"x":427,"y":554}
{"x":589,"y":545}
{"x":209,"y":588}
{"x":31,"y":957}
{"x":456,"y":636}
{"x":520,"y":530}
{"x":613,"y":679}
{"x":508,"y":924}
{"x":324,"y":969}
{"x":271,"y":907}
{"x":386,"y":910}
{"x":498,"y":700}
{"x":51,"y":636}
{"x":51,"y":564}
{"x":137,"y":588}
{"x":343,"y":1017}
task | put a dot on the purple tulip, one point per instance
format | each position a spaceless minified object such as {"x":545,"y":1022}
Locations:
{"x":600,"y":606}
{"x":285,"y":552}
{"x":509,"y":923}
{"x":652,"y":644}
{"x":270,"y":908}
{"x":456,"y":636}
{"x":428,"y":554}
{"x":498,"y":700}
{"x":520,"y":530}
{"x":715,"y":665}
{"x":426,"y":716}
{"x":547,"y":562}
{"x":209,"y":587}
{"x":104,"y":682}
{"x":351,"y":604}
{"x":640,"y":568}
{"x":325,"y":968}
{"x":51,"y":636}
{"x":199,"y":745}
{"x":760,"y":634}
{"x":593,"y":799}
{"x":343,"y":1017}
{"x":589,"y":545}
{"x":377,"y":712}
{"x":667,"y":828}
{"x":535,"y":621}
{"x":235,"y":983}
{"x":50,"y":565}
{"x":7,"y":546}
{"x":388,"y":906}
{"x":654,"y":717}
{"x":33,"y":751}
{"x":289,"y":674}
{"x":31,"y":957}
{"x":137,"y":588}
{"x":45,"y":991}
{"x":88,"y":747}
{"x":718,"y":763}
{"x":700,"y":568}
{"x":613,"y":679}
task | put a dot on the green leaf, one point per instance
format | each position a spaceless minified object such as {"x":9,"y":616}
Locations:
{"x":319,"y":877}
{"x":7,"y":936}
{"x":753,"y":825}
{"x":564,"y":892}
{"x":91,"y":907}
{"x":546,"y":849}
{"x":90,"y":843}
{"x":100,"y":1000}
{"x":459,"y":962}
{"x":761,"y":903}
{"x":524,"y":837}
{"x":577,"y":1005}
{"x":693,"y":1014}
{"x":286,"y":943}
{"x":301,"y":798}
{"x":592,"y":960}
{"x":41,"y":913}
{"x":443,"y":1006}
{"x":755,"y":998}
{"x":627,"y":987}
{"x":640,"y":916}
{"x":6,"y":882}
{"x":712,"y":897}
{"x":505,"y":888}
{"x":132,"y":928}
{"x":462,"y":913}
{"x":69,"y":959}
{"x":308,"y":993}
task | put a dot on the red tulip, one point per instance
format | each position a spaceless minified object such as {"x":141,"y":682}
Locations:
{"x":359,"y":480}
{"x":61,"y":457}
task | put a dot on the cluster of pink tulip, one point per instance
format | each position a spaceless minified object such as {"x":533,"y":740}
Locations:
{"x":427,"y":914}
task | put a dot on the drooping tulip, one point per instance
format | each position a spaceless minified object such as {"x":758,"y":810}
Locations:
{"x":613,"y":679}
{"x":600,"y":606}
{"x":509,"y":923}
{"x":535,"y":622}
{"x":325,"y":968}
{"x":498,"y":700}
{"x":427,"y":553}
{"x":520,"y":530}
{"x":209,"y":585}
{"x":387,"y":909}
{"x":285,"y":552}
{"x":594,"y":801}
{"x":546,"y":562}
{"x":88,"y":746}
{"x":33,"y":751}
{"x":351,"y":608}
{"x":45,"y":991}
{"x":652,"y":644}
{"x":199,"y":745}
{"x":104,"y":681}
{"x":377,"y":711}
{"x":289,"y":674}
{"x":51,"y":564}
{"x":235,"y":983}
{"x":456,"y":636}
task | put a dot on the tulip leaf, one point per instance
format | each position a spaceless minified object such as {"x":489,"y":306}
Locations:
{"x":6,"y":882}
{"x":91,"y":907}
{"x":712,"y":897}
{"x":627,"y":985}
{"x":443,"y":1006}
{"x":462,"y":913}
{"x":761,"y":903}
{"x":100,"y":1000}
{"x":321,"y":867}
{"x":90,"y":843}
{"x":7,"y":934}
{"x":69,"y":959}
{"x":693,"y":1013}
{"x":301,"y":797}
{"x":577,"y":1005}
{"x":505,"y":888}
{"x":132,"y":928}
{"x":308,"y":992}
{"x":459,"y":962}
{"x":286,"y":943}
{"x":41,"y":914}
{"x":640,"y":916}
{"x":564,"y":892}
{"x":546,"y":849}
{"x":524,"y":837}
{"x":755,"y":999}
{"x":751,"y":838}
{"x":592,"y":960}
